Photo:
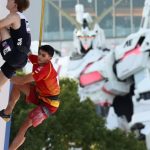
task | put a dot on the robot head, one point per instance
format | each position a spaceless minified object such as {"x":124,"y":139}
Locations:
{"x":86,"y":38}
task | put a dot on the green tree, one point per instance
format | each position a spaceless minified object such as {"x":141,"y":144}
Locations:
{"x":74,"y":125}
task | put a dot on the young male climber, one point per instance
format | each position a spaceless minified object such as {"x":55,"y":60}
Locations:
{"x":15,"y":39}
{"x":44,"y":93}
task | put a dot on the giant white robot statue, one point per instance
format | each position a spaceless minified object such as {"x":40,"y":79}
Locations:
{"x":94,"y":64}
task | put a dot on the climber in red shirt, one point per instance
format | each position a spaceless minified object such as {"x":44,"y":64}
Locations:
{"x":43,"y":93}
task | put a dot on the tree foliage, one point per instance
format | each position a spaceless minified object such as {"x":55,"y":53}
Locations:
{"x":75,"y":124}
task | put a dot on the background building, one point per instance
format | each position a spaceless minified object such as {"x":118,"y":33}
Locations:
{"x":123,"y":20}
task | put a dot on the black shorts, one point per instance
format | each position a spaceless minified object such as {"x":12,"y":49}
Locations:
{"x":15,"y":58}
